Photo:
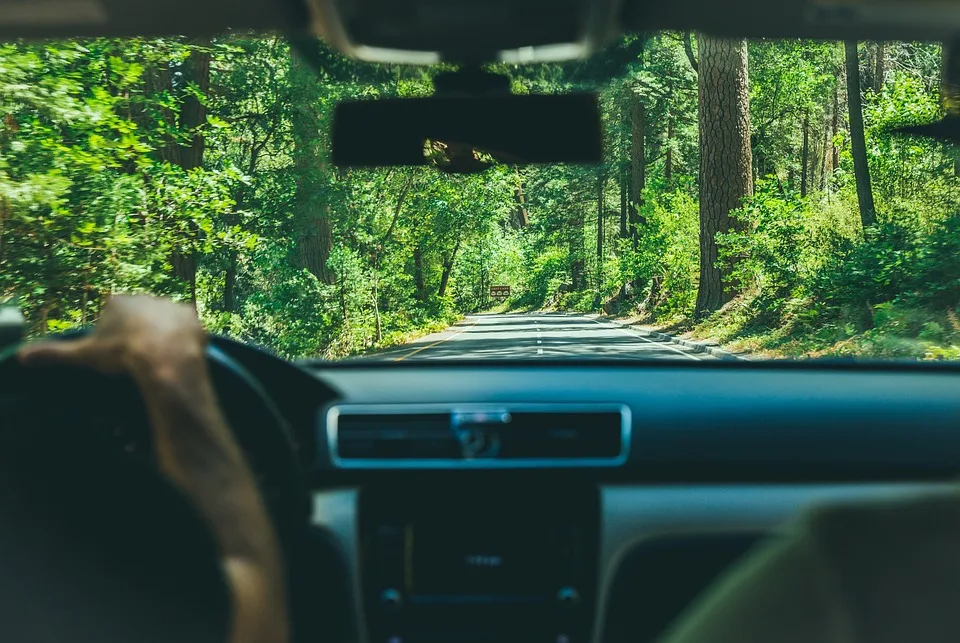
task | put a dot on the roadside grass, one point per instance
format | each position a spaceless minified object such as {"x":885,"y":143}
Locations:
{"x":394,"y":339}
{"x":890,"y":331}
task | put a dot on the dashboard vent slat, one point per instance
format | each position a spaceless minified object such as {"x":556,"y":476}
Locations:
{"x":475,"y":436}
{"x":396,"y":436}
{"x":564,"y":435}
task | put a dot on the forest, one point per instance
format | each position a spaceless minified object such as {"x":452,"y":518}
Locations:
{"x":753,"y":193}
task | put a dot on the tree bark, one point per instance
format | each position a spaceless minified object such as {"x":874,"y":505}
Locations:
{"x":880,"y":68}
{"x":805,"y":158}
{"x":601,"y":183}
{"x":448,"y":270}
{"x":191,"y":119}
{"x":314,"y":230}
{"x":230,"y":283}
{"x":624,"y":202}
{"x":726,"y":167}
{"x":858,"y":143}
{"x":624,"y":171}
{"x":521,"y":218}
{"x":688,"y":49}
{"x":835,"y":127}
{"x":668,"y":161}
{"x":827,"y":151}
{"x":638,"y":166}
{"x":378,"y":323}
{"x":820,"y":159}
{"x":418,"y":278}
{"x":576,"y":250}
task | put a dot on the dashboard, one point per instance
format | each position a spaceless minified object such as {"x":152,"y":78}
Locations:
{"x":567,"y":502}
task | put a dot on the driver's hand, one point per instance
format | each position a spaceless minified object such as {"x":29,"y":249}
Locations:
{"x":161,"y":346}
{"x":140,"y":336}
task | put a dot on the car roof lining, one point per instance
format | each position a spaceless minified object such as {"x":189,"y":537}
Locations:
{"x":37,"y":19}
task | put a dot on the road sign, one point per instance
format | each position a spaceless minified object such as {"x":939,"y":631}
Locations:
{"x":500,"y":293}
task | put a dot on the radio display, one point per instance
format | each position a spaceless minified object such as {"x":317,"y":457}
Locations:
{"x":482,"y":559}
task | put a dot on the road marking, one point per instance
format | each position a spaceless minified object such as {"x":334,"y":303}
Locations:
{"x":539,"y":351}
{"x":539,"y":341}
{"x":636,"y":335}
{"x":445,"y":339}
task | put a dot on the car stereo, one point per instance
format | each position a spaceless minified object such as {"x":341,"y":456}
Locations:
{"x":471,"y":563}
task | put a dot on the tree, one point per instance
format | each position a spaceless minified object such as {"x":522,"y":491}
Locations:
{"x":200,"y":170}
{"x":858,"y":144}
{"x":805,"y":158}
{"x":880,"y":69}
{"x":726,"y":167}
{"x":312,"y":207}
{"x":638,"y":165}
{"x":601,"y":185}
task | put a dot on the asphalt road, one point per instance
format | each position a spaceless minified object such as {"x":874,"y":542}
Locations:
{"x":537,"y":336}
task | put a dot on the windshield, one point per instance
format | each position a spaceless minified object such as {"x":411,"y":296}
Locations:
{"x":752,"y":201}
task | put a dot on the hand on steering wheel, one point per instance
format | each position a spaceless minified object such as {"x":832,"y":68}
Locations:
{"x":161,"y":346}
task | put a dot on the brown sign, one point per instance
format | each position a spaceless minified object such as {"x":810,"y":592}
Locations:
{"x":499,"y":292}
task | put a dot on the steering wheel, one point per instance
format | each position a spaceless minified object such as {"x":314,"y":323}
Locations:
{"x":69,"y":424}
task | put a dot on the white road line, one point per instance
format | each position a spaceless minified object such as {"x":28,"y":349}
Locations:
{"x":539,"y":351}
{"x":649,"y":341}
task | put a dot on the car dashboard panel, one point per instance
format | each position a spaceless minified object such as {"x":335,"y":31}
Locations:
{"x":461,"y":510}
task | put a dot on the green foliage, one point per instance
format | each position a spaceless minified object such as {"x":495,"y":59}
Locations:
{"x":201,"y":171}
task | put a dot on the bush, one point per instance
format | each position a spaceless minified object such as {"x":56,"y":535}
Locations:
{"x":666,"y":262}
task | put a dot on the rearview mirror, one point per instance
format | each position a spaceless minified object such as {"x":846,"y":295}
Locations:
{"x":463,"y":134}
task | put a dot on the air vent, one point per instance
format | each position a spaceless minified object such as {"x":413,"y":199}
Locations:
{"x":395,"y":436}
{"x":564,"y":435}
{"x":478,"y":436}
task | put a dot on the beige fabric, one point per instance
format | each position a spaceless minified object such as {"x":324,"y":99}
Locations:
{"x":873,"y":573}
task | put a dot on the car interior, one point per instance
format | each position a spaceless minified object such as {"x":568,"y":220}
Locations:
{"x":433,"y":502}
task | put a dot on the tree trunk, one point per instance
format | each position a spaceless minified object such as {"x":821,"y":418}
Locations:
{"x":230,"y":283}
{"x":858,"y":143}
{"x":601,"y":183}
{"x":314,"y":231}
{"x":638,"y":167}
{"x":624,"y":201}
{"x":624,"y":170}
{"x":805,"y":158}
{"x":448,"y":270}
{"x":668,"y":162}
{"x":521,"y":218}
{"x":575,"y":244}
{"x":835,"y":127}
{"x":879,"y":69}
{"x":688,"y":49}
{"x":376,"y":309}
{"x":824,"y":159}
{"x":191,"y":119}
{"x":726,"y":172}
{"x":418,"y":279}
{"x":344,"y":310}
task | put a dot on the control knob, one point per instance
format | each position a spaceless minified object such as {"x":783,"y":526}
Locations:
{"x":391,"y":600}
{"x":568,"y":597}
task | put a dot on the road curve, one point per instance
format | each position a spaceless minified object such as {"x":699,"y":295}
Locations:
{"x":537,"y":336}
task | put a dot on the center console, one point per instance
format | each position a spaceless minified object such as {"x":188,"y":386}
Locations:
{"x":479,"y":563}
